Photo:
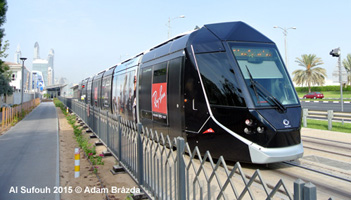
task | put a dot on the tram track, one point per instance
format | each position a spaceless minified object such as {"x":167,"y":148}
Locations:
{"x":338,"y":146}
{"x":290,"y":172}
{"x":317,"y":141}
{"x":317,"y":171}
{"x":258,"y":181}
{"x":329,"y":143}
{"x":327,"y":185}
{"x":331,"y":180}
{"x":333,"y":163}
{"x":326,"y":151}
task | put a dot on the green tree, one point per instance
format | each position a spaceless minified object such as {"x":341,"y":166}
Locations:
{"x":5,"y":88}
{"x":4,"y":69}
{"x":347,"y":64}
{"x":311,"y":75}
{"x":3,"y":48}
{"x":3,"y":10}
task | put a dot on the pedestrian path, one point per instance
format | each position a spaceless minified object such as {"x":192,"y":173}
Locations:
{"x":29,"y":157}
{"x":329,"y":135}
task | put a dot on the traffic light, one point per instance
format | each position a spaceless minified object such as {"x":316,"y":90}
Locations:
{"x":335,"y":52}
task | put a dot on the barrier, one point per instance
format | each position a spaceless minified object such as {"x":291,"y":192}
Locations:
{"x":76,"y":162}
{"x":179,"y":172}
{"x":10,"y":114}
{"x":329,"y":115}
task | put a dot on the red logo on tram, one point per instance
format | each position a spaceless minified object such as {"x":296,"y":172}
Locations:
{"x":159,"y":98}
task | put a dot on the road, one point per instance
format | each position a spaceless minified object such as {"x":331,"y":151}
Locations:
{"x":323,"y":106}
{"x":29,"y":161}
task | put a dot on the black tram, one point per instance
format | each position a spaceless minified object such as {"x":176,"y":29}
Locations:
{"x":224,"y":88}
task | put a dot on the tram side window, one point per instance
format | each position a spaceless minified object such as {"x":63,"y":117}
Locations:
{"x":160,"y":73}
{"x":123,"y":100}
{"x":219,"y":80}
{"x":82,"y":95}
{"x":145,"y":93}
{"x":95,"y":94}
{"x":114,"y":94}
{"x":106,"y":93}
{"x":89,"y":92}
{"x":121,"y":84}
{"x":96,"y":91}
{"x":159,"y":93}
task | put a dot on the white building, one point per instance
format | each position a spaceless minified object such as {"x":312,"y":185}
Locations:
{"x":46,"y":66}
{"x":37,"y":81}
{"x":16,"y":76}
{"x":33,"y":81}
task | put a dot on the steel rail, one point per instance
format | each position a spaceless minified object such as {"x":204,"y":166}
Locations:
{"x":318,"y":171}
{"x":347,"y":143}
{"x":332,"y":152}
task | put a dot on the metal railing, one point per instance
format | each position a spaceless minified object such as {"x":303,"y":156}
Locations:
{"x":170,"y":169}
{"x":11,"y":114}
{"x":328,"y":115}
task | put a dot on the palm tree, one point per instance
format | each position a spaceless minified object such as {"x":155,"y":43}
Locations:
{"x":312,"y":75}
{"x":347,"y":64}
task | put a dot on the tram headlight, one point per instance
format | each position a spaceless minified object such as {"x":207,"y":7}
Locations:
{"x":247,"y":131}
{"x":249,"y":122}
{"x":260,"y":129}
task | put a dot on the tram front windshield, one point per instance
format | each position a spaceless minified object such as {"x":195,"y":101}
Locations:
{"x":264,"y":74}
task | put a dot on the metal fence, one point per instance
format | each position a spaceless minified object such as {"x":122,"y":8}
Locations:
{"x":169,"y":169}
{"x":10,"y":114}
{"x":328,"y":115}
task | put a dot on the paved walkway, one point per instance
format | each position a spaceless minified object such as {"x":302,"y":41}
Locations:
{"x":330,"y":135}
{"x":29,"y":156}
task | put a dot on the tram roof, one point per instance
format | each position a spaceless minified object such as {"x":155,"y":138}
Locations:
{"x":208,"y":39}
{"x":237,"y":31}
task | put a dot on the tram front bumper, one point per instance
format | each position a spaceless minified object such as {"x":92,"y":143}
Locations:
{"x":261,"y":155}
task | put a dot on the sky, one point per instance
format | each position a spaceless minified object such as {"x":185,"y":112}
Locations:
{"x":89,"y":36}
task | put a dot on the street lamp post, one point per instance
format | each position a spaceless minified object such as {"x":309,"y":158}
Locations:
{"x":22,"y":81}
{"x":337,"y":53}
{"x":169,"y":24}
{"x":285,"y":32}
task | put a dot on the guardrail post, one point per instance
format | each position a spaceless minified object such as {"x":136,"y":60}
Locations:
{"x":304,"y":117}
{"x":298,"y":189}
{"x":309,"y":192}
{"x":76,"y":162}
{"x":180,"y":169}
{"x":119,"y":138}
{"x":330,"y":119}
{"x":140,"y":167}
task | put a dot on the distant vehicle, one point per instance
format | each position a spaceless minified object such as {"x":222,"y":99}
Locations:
{"x":314,"y":95}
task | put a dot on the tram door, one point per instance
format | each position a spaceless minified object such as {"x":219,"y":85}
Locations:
{"x":175,"y":104}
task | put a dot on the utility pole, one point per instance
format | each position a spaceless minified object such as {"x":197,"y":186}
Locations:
{"x":22,"y":82}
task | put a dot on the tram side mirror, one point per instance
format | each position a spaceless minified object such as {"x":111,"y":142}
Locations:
{"x":255,"y":60}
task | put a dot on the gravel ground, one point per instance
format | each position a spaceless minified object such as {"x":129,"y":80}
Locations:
{"x":113,"y":186}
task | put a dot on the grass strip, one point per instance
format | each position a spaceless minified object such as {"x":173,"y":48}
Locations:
{"x":323,"y":125}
